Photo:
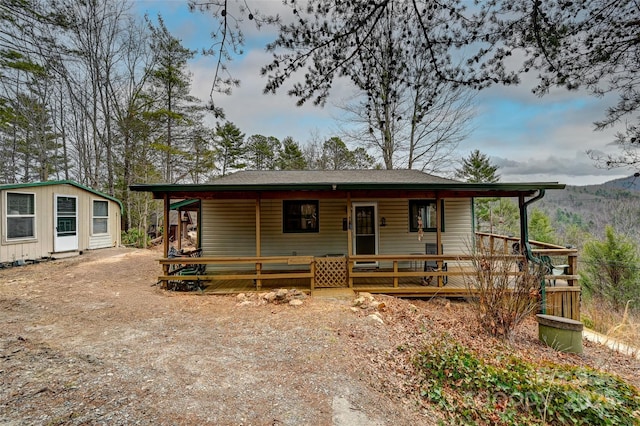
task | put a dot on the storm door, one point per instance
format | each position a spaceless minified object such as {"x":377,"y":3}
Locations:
{"x":65,"y":222}
{"x":365,"y":230}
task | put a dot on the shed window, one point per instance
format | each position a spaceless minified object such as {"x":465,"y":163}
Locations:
{"x":100,"y":217}
{"x":425,"y":209}
{"x":21,"y":216}
{"x":300,"y":216}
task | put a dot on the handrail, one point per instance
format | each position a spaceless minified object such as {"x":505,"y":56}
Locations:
{"x":256,"y":263}
{"x":541,"y":249}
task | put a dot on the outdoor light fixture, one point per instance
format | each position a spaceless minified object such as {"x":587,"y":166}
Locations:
{"x":383,"y":222}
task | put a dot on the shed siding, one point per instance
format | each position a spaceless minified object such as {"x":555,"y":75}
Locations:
{"x":229,"y":229}
{"x":42,"y":245}
{"x":112,"y":237}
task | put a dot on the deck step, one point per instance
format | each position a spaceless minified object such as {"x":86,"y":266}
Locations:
{"x":65,"y":254}
{"x":340,"y":293}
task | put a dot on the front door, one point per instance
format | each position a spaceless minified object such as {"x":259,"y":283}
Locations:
{"x":365,"y":231}
{"x":65,"y":222}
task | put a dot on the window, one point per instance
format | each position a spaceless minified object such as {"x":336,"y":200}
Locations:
{"x":425,"y":209}
{"x":100,"y":217}
{"x":300,"y":216}
{"x":21,"y":216}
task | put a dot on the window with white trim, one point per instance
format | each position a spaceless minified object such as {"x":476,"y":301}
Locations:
{"x":21,"y":216}
{"x":100,"y":222}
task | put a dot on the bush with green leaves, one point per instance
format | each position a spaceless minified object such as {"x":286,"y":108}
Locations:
{"x":609,"y":270}
{"x":134,"y":237}
{"x":506,"y":390}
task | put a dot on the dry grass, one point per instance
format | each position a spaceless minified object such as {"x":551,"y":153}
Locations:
{"x":601,"y":316}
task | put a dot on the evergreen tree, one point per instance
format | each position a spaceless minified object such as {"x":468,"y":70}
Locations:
{"x":291,"y":157}
{"x":202,"y":154}
{"x":609,"y":270}
{"x":540,"y":228}
{"x":262,"y":152}
{"x":337,"y":156}
{"x":230,"y":148}
{"x":170,"y":84}
{"x":477,"y":168}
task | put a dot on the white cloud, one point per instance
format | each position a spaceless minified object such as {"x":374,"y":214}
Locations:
{"x":576,"y":170}
{"x":534,"y":138}
{"x":268,"y":114}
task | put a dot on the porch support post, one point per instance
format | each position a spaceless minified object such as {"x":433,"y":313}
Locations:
{"x":439,"y":235}
{"x":258,"y":243}
{"x":179,"y":229}
{"x":258,"y":229}
{"x":165,"y":235}
{"x":349,"y":240}
{"x":166,"y":224}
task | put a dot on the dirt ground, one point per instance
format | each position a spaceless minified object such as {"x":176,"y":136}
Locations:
{"x":92,"y":340}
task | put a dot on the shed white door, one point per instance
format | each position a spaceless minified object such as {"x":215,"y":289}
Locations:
{"x":65,"y":222}
{"x":365,"y":231}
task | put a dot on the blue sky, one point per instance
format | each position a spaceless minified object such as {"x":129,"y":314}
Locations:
{"x":530,"y":138}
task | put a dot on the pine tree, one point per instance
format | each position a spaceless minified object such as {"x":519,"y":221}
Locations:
{"x":477,"y":168}
{"x":609,"y":269}
{"x":230,"y":147}
{"x":540,"y":228}
{"x":170,"y":82}
{"x":291,"y":157}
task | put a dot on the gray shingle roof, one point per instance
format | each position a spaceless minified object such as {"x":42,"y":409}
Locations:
{"x":343,"y":180}
{"x":279,"y":177}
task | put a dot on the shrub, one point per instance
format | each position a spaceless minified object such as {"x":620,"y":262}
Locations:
{"x":134,"y":237}
{"x":509,"y":391}
{"x":504,"y":291}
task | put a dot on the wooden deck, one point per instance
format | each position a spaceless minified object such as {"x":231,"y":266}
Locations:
{"x":407,"y":287}
{"x":400,"y":275}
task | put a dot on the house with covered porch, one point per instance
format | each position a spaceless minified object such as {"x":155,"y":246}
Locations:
{"x":399,"y":232}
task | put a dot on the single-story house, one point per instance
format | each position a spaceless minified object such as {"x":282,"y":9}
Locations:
{"x":55,"y":219}
{"x":364,"y":229}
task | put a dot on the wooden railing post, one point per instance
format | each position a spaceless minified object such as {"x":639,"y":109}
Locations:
{"x":395,"y":273}
{"x":258,"y":279}
{"x":573,"y":267}
{"x":350,"y":271}
{"x":312,"y":269}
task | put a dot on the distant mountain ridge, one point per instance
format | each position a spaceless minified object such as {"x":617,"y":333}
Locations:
{"x":631,"y":183}
{"x":593,"y":207}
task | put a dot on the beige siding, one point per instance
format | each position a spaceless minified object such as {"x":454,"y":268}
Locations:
{"x":330,"y":238}
{"x":42,"y":246}
{"x":112,"y":237}
{"x":396,"y":238}
{"x":229,"y":229}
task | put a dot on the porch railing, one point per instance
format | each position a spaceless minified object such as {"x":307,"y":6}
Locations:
{"x":398,"y":266}
{"x":256,"y":273}
{"x":565,"y":259}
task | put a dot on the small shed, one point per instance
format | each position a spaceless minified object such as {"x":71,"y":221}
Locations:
{"x":55,"y":219}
